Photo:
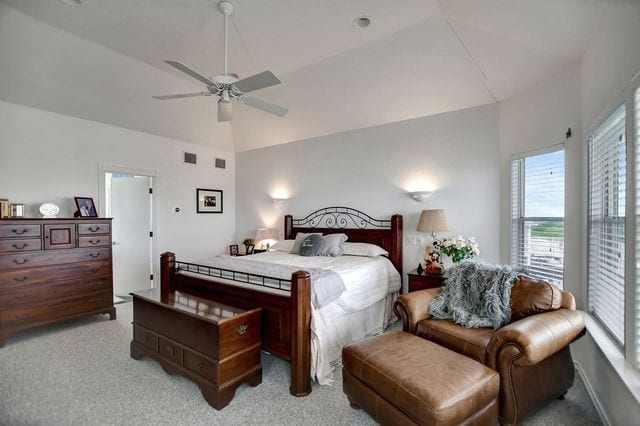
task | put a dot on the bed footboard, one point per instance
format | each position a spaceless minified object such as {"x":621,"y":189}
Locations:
{"x":286,"y":321}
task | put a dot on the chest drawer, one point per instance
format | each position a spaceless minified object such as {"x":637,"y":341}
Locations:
{"x":146,"y":337}
{"x":22,"y":278}
{"x":201,"y":365}
{"x":94,"y":241}
{"x":30,"y":295}
{"x":94,"y":228}
{"x":19,"y":230}
{"x":18,"y":245}
{"x":24,"y":316}
{"x":45,"y":258}
{"x":170,"y":350}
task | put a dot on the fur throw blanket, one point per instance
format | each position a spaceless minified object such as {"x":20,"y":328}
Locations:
{"x":476,"y":295}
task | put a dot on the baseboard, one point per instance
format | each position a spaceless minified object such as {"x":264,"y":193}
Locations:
{"x":592,"y":395}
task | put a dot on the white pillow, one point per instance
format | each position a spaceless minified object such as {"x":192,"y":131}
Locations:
{"x":298,"y":242}
{"x":284,"y":245}
{"x":363,"y":249}
{"x":333,"y":244}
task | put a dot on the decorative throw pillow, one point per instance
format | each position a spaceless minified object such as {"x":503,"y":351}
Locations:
{"x":298,"y":242}
{"x":333,"y":244}
{"x":311,"y":245}
{"x":284,"y":245}
{"x":530,"y":296}
{"x":363,"y":249}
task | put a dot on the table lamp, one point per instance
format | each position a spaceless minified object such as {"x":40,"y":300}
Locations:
{"x":265,"y":237}
{"x":432,"y":221}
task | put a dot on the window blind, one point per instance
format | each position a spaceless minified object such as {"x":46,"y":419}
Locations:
{"x":606,"y":221}
{"x":537,"y":215}
{"x":637,"y":242}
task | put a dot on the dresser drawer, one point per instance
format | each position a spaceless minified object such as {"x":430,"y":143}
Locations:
{"x":146,"y":337}
{"x":29,"y":277}
{"x":18,"y":245}
{"x":30,"y":295}
{"x":94,"y":228}
{"x":21,"y":316}
{"x":45,"y":258}
{"x":94,"y":241}
{"x":19,"y":230}
{"x":201,"y":365}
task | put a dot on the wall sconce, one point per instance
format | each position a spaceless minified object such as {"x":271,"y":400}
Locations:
{"x":421,"y":196}
{"x":278,"y":200}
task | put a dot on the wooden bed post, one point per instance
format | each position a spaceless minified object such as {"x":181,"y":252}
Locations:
{"x":300,"y":334}
{"x":396,"y":237}
{"x":288,"y":227}
{"x":167,"y":266}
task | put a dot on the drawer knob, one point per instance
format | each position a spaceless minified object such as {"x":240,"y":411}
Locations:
{"x":15,"y":246}
{"x":21,"y":296}
{"x":20,"y":279}
{"x":20,"y":261}
{"x":94,"y":269}
{"x":94,"y":255}
{"x":198,"y":364}
{"x":242,"y":329}
{"x":94,"y":242}
{"x":19,"y":231}
{"x":96,"y":229}
{"x":170,"y":350}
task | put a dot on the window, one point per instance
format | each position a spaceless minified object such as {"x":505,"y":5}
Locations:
{"x":537,"y":215}
{"x":606,"y":224}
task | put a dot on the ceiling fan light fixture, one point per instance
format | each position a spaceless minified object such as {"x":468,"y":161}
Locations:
{"x":224,"y":111}
{"x":362,"y":22}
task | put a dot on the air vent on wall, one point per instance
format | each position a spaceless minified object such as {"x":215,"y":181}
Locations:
{"x":190,"y":158}
{"x":221,"y":163}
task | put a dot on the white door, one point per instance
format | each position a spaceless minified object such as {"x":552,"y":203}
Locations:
{"x":129,"y":204}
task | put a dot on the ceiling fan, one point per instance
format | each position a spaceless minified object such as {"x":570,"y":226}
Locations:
{"x":227,"y":86}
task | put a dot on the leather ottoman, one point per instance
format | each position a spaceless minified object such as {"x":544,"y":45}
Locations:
{"x":399,"y":378}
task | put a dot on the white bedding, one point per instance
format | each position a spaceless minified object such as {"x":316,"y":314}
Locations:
{"x":364,"y":309}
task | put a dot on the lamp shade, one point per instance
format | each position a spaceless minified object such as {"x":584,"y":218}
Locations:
{"x":432,"y":221}
{"x":265,"y":234}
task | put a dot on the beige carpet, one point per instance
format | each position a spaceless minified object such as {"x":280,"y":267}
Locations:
{"x":79,"y":373}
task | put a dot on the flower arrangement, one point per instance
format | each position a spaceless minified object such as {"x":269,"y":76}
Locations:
{"x":459,"y":248}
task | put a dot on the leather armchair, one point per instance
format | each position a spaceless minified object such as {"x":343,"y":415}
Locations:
{"x":531,"y":354}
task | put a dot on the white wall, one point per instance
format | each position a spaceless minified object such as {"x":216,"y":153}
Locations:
{"x":538,"y":117}
{"x":51,"y":157}
{"x":371,"y":169}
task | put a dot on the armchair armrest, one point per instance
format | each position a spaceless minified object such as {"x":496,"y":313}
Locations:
{"x":414,"y":307}
{"x":536,"y":337}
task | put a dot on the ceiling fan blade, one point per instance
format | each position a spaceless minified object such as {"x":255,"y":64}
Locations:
{"x":185,"y":69}
{"x":256,"y":82}
{"x":224,"y":111}
{"x":278,"y":110}
{"x":183,"y":95}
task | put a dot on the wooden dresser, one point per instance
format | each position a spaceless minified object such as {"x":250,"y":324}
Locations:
{"x":53,"y":269}
{"x":214,"y":345}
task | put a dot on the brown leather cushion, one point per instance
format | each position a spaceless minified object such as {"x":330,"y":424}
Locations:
{"x":471,"y":342}
{"x":530,"y":296}
{"x":429,"y":383}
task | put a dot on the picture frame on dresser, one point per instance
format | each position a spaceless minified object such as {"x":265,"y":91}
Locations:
{"x":4,"y":208}
{"x":86,"y":207}
{"x":209,"y":200}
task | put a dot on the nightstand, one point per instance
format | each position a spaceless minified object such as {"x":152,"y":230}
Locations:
{"x":424,"y":280}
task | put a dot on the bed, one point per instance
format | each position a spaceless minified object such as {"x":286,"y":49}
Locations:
{"x":293,"y":327}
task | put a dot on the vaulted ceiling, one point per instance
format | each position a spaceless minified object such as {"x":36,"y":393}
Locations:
{"x":103,"y":60}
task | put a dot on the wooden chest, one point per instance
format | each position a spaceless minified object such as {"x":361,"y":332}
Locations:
{"x":214,"y":345}
{"x":53,"y":269}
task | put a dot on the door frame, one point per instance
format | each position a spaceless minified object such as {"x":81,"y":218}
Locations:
{"x":153,"y":174}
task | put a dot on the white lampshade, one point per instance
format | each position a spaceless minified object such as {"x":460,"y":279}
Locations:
{"x":265,"y":236}
{"x":432,"y":221}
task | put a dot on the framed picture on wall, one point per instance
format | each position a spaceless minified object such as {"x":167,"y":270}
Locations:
{"x":86,"y":208}
{"x":208,"y":200}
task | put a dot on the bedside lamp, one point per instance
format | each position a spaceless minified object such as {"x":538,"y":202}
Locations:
{"x":433,"y":221}
{"x":266,"y":237}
